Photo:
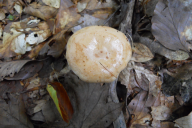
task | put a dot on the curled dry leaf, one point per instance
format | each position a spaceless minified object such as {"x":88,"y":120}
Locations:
{"x":171,"y":25}
{"x":141,"y":53}
{"x":52,"y":3}
{"x":16,"y":40}
{"x":40,"y":11}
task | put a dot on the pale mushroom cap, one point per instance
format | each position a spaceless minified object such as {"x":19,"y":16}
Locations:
{"x":98,"y":53}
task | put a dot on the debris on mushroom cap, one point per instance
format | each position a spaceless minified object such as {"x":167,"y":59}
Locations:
{"x":98,"y":53}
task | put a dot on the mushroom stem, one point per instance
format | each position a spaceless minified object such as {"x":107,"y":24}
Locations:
{"x":120,"y":121}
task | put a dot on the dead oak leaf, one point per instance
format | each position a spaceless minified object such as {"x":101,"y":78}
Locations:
{"x":91,"y":107}
{"x":171,"y":25}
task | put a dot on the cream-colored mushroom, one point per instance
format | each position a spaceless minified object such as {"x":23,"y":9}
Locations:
{"x":98,"y":53}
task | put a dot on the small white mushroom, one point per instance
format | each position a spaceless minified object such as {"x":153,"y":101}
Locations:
{"x":98,"y":53}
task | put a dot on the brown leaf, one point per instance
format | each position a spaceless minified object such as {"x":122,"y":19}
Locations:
{"x":141,"y":53}
{"x":43,"y":12}
{"x":66,"y":16}
{"x":10,"y":68}
{"x":64,"y":101}
{"x":171,"y":25}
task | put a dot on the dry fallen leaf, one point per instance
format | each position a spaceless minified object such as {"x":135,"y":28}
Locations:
{"x":10,"y":68}
{"x":141,"y":53}
{"x":40,"y":104}
{"x":28,"y":70}
{"x":162,"y":109}
{"x":66,"y":16}
{"x":12,"y":112}
{"x":154,"y":81}
{"x":171,"y":25}
{"x":158,"y":48}
{"x":40,"y":11}
{"x":52,"y":3}
{"x":2,"y":14}
{"x":138,"y":108}
{"x":91,"y":107}
{"x":18,"y":7}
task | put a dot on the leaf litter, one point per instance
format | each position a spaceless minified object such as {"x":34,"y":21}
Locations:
{"x":154,"y":86}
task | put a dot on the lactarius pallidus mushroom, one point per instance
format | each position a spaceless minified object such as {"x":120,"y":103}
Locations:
{"x":98,"y":53}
